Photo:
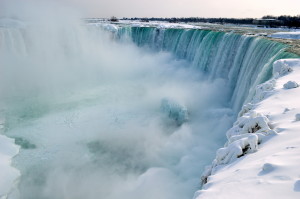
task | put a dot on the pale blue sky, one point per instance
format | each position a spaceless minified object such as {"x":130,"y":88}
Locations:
{"x":185,"y":8}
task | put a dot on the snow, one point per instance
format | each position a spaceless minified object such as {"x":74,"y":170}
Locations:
{"x":158,"y":24}
{"x":297,"y":117}
{"x":286,"y":35}
{"x":261,"y":156}
{"x":106,"y":26}
{"x":110,"y":27}
{"x":8,"y":174}
{"x":282,"y":67}
{"x":290,"y":85}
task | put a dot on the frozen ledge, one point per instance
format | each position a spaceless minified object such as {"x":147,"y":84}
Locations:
{"x":251,"y":165}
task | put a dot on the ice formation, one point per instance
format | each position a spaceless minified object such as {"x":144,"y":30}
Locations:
{"x":8,"y":174}
{"x":287,"y":35}
{"x":281,"y":68}
{"x":251,"y":127}
{"x":245,"y":135}
{"x":297,"y":116}
{"x":174,"y":111}
{"x":273,"y":170}
{"x":290,"y":84}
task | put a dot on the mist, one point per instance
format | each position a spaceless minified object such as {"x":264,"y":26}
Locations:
{"x":86,"y":111}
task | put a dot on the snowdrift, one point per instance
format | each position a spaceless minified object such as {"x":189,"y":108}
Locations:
{"x":263,"y":145}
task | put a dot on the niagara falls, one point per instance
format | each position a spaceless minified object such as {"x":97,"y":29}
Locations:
{"x":132,"y":100}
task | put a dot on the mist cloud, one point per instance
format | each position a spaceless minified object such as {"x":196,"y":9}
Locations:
{"x":91,"y":106}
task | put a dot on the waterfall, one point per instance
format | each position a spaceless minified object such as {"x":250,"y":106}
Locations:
{"x":245,"y":61}
{"x":136,"y":113}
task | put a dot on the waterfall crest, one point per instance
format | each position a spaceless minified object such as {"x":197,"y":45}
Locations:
{"x":245,"y":61}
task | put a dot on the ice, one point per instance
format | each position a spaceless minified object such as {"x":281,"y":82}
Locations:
{"x":174,"y":111}
{"x":245,"y":109}
{"x":297,"y":116}
{"x":8,"y":174}
{"x":281,"y":68}
{"x":273,"y":170}
{"x":290,"y":84}
{"x":110,"y":27}
{"x":297,"y":186}
{"x":286,"y":35}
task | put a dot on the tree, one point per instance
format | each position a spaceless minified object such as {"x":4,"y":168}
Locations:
{"x":114,"y":19}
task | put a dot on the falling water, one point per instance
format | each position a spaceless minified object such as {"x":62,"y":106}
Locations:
{"x":99,"y":115}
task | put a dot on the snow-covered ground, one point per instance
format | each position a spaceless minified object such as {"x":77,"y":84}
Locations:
{"x":107,"y":25}
{"x":286,"y":35}
{"x":8,"y":174}
{"x":271,"y":169}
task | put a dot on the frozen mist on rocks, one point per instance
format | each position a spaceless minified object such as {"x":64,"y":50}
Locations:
{"x":96,"y":117}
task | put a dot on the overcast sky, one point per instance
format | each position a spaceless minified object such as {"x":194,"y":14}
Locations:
{"x":186,"y":8}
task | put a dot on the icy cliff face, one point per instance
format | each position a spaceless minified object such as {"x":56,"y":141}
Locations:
{"x":272,"y":171}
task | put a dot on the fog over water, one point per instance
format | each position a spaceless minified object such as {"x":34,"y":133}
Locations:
{"x":86,"y":111}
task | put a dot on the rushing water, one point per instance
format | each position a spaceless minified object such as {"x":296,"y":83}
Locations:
{"x":99,"y":115}
{"x":244,"y":61}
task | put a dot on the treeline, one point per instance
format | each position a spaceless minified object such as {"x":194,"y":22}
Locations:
{"x":266,"y":21}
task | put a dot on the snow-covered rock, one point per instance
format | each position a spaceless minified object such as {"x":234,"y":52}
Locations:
{"x":290,"y":84}
{"x":297,"y":117}
{"x":264,"y":90}
{"x":245,"y":109}
{"x":245,"y":135}
{"x":273,"y":170}
{"x":280,"y":68}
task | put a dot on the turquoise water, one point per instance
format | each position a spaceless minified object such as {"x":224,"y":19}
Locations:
{"x":136,"y":114}
{"x":245,"y":61}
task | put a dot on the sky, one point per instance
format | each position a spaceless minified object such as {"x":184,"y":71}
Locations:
{"x":186,"y":8}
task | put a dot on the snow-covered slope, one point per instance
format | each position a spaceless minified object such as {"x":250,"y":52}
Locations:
{"x":273,"y":170}
{"x":8,"y":174}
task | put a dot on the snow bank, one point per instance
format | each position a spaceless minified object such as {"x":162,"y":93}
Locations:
{"x":245,"y":135}
{"x":8,"y":174}
{"x":110,"y":27}
{"x":105,"y":26}
{"x":271,"y":167}
{"x":286,"y":35}
{"x":159,"y":24}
